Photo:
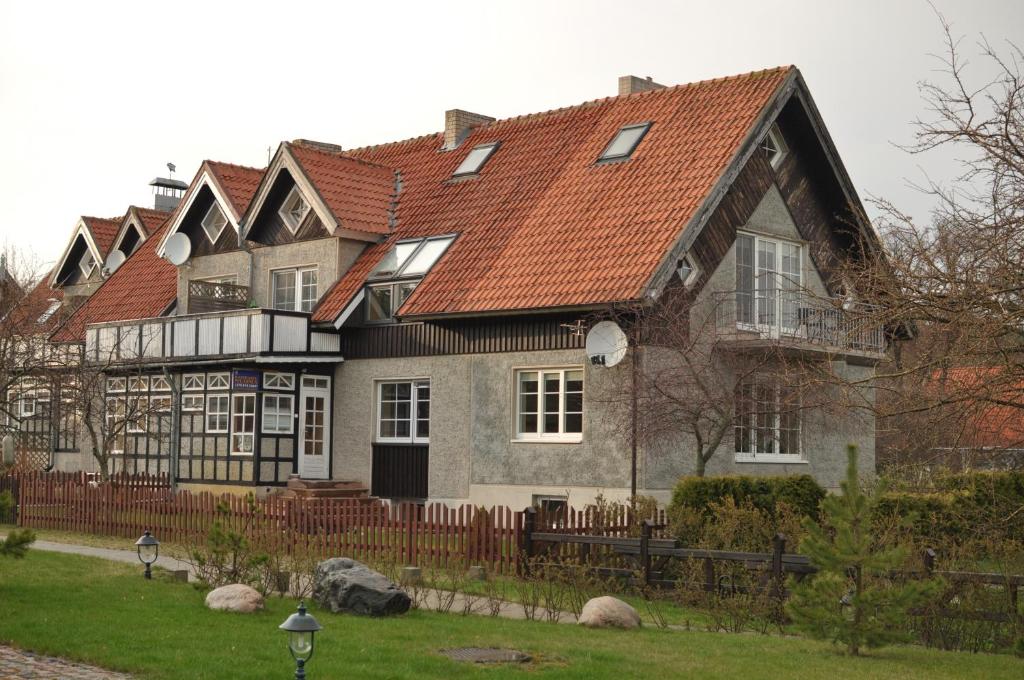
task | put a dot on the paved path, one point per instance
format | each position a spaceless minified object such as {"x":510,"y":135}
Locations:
{"x":17,"y":664}
{"x":129,"y":556}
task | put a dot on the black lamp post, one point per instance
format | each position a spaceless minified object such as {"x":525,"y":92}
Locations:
{"x":148,"y":549}
{"x":301,"y":628}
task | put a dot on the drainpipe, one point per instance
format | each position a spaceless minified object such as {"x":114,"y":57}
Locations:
{"x":633,"y":424}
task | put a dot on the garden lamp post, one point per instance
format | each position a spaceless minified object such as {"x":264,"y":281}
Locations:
{"x":148,"y":549}
{"x":301,"y":628}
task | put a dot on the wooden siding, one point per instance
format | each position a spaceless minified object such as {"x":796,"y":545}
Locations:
{"x":269,"y":229}
{"x":192,"y":225}
{"x":469,"y":336}
{"x":400,"y":471}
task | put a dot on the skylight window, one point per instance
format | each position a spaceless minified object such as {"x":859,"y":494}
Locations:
{"x":774,"y":146}
{"x":50,"y":311}
{"x":395,"y":259}
{"x":412,"y":258}
{"x":87,"y":263}
{"x":429,"y":253}
{"x":624,"y":142}
{"x":214,"y":222}
{"x":475,"y":160}
{"x":293,"y":210}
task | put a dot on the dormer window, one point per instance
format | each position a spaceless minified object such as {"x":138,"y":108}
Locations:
{"x":624,"y":143}
{"x":50,"y":311}
{"x":774,"y":146}
{"x":214,"y":222}
{"x":405,"y":265}
{"x":475,"y":159}
{"x":293,"y":210}
{"x":688,"y":271}
{"x":87,"y":264}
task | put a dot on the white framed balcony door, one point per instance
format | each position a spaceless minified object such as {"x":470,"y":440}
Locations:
{"x":314,"y":427}
{"x":768,"y":277}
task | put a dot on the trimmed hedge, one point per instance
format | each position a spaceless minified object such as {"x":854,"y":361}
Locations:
{"x":800,"y":492}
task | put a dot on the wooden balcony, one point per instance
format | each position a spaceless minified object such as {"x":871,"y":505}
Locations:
{"x":796,"y":321}
{"x":205,"y":296}
{"x":237,"y":334}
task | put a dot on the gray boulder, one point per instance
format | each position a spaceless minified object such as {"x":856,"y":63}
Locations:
{"x":344,"y":585}
{"x":236,"y":597}
{"x":609,"y":612}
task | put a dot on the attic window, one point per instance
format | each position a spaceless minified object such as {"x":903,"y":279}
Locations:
{"x":688,"y":271}
{"x":624,"y":142}
{"x":293,"y":210}
{"x":411,"y":258}
{"x":87,"y":264}
{"x":774,"y":146}
{"x":50,"y":311}
{"x":214,"y":222}
{"x":475,"y":160}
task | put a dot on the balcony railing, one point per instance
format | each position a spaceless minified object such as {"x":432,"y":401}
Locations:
{"x":206,"y":296}
{"x":798,"y":318}
{"x":232,"y":334}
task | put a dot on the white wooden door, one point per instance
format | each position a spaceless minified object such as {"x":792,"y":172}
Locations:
{"x":314,"y":427}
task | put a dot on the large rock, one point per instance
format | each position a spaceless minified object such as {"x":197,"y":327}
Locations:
{"x":344,"y":585}
{"x":608,"y":612}
{"x":236,"y":597}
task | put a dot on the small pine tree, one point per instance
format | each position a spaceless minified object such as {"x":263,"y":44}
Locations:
{"x":851,"y":599}
{"x":17,"y":542}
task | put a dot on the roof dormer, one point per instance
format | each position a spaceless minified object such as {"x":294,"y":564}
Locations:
{"x":84,"y":254}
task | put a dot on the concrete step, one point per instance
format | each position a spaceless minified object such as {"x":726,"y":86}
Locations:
{"x":352,"y":492}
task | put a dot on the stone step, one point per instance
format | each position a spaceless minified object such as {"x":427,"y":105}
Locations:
{"x":298,"y":483}
{"x":329,"y":493}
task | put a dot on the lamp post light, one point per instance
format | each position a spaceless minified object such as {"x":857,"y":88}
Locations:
{"x":301,"y":628}
{"x":148,"y":549}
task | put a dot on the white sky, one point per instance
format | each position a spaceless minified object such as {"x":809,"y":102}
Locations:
{"x":95,"y":97}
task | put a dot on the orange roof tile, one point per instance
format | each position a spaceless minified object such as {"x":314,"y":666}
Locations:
{"x":544,"y":225}
{"x":151,"y":219}
{"x":25,"y":315}
{"x":358,"y":193}
{"x":104,"y":230}
{"x":238,"y":181}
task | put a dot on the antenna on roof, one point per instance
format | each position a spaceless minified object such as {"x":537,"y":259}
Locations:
{"x":171,"y":167}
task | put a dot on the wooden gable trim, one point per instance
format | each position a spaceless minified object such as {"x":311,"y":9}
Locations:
{"x":205,"y":177}
{"x":81,"y":229}
{"x":284,"y":160}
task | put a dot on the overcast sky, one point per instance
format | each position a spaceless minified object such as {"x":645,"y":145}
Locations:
{"x":95,"y":97}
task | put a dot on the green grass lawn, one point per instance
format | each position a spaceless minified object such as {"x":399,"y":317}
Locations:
{"x":105,"y":613}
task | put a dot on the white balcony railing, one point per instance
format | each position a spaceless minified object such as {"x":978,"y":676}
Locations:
{"x":797,"y":317}
{"x":234,"y":333}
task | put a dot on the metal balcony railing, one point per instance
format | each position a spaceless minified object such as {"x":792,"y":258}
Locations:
{"x":798,"y":317}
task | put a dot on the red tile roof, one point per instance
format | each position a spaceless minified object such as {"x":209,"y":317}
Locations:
{"x":151,"y":219}
{"x":104,"y":230}
{"x":358,"y":193}
{"x":238,"y":181}
{"x":544,"y":225}
{"x":992,"y":404}
{"x":25,"y":316}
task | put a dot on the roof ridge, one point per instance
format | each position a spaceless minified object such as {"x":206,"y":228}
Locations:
{"x":342,"y":155}
{"x":233,"y":165}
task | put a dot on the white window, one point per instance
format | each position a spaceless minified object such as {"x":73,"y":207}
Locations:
{"x":243,"y":423}
{"x":278,"y":381}
{"x":774,"y":145}
{"x":768,"y":283}
{"x":549,"y":404}
{"x":688,"y":271}
{"x":138,"y":384}
{"x":192,"y":402}
{"x":403,"y":411}
{"x":475,"y":160}
{"x":277,"y":413}
{"x":137,"y":410}
{"x":27,"y":406}
{"x":384,"y":300}
{"x":160,"y":384}
{"x":87,"y":263}
{"x":315,"y":382}
{"x":217,"y":381}
{"x":294,"y":289}
{"x":214,"y":222}
{"x":767,"y":420}
{"x":114,"y":413}
{"x":293,"y":210}
{"x":116,"y":384}
{"x":160,"y":404}
{"x":50,"y":311}
{"x":193,"y":382}
{"x":217,"y":413}
{"x":624,"y":142}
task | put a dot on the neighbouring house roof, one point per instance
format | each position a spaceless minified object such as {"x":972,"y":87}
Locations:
{"x":545,"y":225}
{"x":98,"y":233}
{"x":992,"y":405}
{"x":146,"y":285}
{"x":26,"y":315}
{"x":146,"y":219}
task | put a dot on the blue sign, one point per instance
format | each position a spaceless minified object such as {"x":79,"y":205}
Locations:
{"x":243,"y":380}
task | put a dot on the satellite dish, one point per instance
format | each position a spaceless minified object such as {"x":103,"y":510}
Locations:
{"x":177,"y":249}
{"x":114,"y":260}
{"x":606,"y":344}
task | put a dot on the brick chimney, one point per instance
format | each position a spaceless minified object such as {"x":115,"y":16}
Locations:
{"x":634,"y":84}
{"x":458,"y":123}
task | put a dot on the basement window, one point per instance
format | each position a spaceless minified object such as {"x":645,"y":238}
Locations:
{"x":293,"y":210}
{"x":774,"y":146}
{"x":624,"y":143}
{"x":475,"y":160}
{"x":214,"y":222}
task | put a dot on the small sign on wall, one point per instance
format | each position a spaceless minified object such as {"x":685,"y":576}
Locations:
{"x":245,"y":380}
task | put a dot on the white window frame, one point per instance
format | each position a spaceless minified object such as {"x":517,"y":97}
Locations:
{"x":92,"y":263}
{"x":480,"y":155}
{"x":193,"y":382}
{"x":243,"y":398}
{"x":415,"y":385}
{"x":140,"y":410}
{"x":27,"y":405}
{"x":193,"y":402}
{"x":749,"y":453}
{"x":159,"y":383}
{"x":688,"y":270}
{"x":774,"y":144}
{"x":278,"y":413}
{"x":206,"y":221}
{"x":138,"y":383}
{"x":299,"y":303}
{"x":782,"y":282}
{"x":161,"y":404}
{"x":117,"y":384}
{"x":276,"y":380}
{"x":316,"y":382}
{"x":394,"y":302}
{"x":211,"y":399}
{"x":539,"y":436}
{"x":290,"y":220}
{"x":218,"y":381}
{"x":112,"y":419}
{"x":606,"y":155}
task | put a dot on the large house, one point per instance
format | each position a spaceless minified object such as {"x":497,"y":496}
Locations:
{"x":411,"y":317}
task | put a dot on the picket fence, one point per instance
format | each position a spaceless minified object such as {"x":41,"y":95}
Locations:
{"x":432,"y":535}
